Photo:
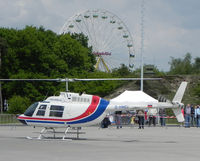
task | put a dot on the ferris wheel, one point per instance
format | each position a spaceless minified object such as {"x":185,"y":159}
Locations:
{"x":109,"y":37}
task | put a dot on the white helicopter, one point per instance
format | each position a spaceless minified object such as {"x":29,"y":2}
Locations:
{"x":74,"y":110}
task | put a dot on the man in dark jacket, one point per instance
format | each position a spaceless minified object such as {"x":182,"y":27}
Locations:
{"x":192,"y":116}
{"x":140,"y":115}
{"x":162,"y":114}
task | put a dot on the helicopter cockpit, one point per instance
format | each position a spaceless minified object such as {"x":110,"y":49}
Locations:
{"x":31,"y":109}
{"x":42,"y":109}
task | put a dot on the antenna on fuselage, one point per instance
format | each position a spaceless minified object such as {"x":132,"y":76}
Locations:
{"x":46,"y":95}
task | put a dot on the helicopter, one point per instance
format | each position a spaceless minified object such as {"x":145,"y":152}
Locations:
{"x":75,"y":110}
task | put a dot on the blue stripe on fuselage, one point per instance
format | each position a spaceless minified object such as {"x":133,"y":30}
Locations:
{"x":101,"y":108}
{"x":48,"y":122}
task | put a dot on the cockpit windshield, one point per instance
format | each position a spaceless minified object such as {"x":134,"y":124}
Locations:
{"x":31,"y":109}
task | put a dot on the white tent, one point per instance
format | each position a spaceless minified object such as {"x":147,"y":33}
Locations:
{"x":134,"y":98}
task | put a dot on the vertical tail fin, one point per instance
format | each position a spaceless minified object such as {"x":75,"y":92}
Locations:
{"x":180,"y":92}
{"x":177,"y":100}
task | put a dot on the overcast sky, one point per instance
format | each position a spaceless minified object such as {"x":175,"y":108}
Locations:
{"x":171,"y":27}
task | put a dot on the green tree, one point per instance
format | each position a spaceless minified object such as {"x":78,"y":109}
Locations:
{"x":39,"y":53}
{"x":122,"y":71}
{"x":18,"y":104}
{"x":3,"y":47}
{"x":77,"y":57}
{"x":196,"y":65}
{"x":181,"y":66}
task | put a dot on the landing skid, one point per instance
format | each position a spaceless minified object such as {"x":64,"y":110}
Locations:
{"x":44,"y":131}
{"x":51,"y":132}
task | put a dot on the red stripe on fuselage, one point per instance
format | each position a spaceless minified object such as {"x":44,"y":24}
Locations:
{"x":91,"y":109}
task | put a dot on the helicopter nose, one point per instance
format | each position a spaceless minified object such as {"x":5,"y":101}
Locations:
{"x":21,"y":119}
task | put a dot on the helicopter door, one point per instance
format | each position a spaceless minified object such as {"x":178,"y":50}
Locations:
{"x":56,"y":111}
{"x":41,"y":110}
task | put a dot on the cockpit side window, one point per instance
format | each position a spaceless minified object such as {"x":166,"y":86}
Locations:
{"x":41,"y":110}
{"x":56,"y":111}
{"x":31,"y":109}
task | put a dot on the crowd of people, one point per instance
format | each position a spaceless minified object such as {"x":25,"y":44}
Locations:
{"x":192,"y":115}
{"x":150,"y":117}
{"x":141,"y":117}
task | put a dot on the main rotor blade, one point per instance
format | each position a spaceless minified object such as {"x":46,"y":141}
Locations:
{"x":50,"y":80}
{"x":104,"y":79}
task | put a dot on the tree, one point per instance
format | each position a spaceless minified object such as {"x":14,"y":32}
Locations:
{"x":196,"y":65}
{"x":18,"y":104}
{"x":38,"y":53}
{"x":3,"y":47}
{"x":181,"y":66}
{"x":122,"y":71}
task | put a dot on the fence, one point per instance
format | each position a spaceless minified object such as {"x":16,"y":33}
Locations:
{"x":130,"y":119}
{"x":8,"y":119}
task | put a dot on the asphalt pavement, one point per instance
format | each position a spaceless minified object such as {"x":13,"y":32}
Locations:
{"x":128,"y":143}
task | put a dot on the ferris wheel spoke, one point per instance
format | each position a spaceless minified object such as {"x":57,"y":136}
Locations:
{"x":88,"y":32}
{"x":90,"y":28}
{"x":107,"y":38}
{"x":103,"y":31}
{"x":96,"y":22}
{"x":78,"y":25}
{"x":111,"y":38}
{"x":115,"y":44}
{"x":98,"y":30}
{"x":109,"y":32}
{"x":105,"y":43}
{"x":94,"y":32}
{"x":111,"y":41}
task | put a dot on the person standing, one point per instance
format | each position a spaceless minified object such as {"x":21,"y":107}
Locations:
{"x":118,"y":119}
{"x":140,"y":115}
{"x":162,"y":114}
{"x":152,"y":116}
{"x":192,"y":116}
{"x":145,"y":116}
{"x":187,"y":115}
{"x":197,"y":116}
{"x":183,"y":113}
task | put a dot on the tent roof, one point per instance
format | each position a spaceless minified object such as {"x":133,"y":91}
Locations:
{"x":134,"y":97}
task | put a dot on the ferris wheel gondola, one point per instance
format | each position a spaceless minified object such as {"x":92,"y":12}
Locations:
{"x":111,"y":41}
